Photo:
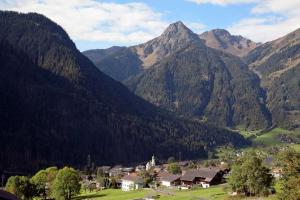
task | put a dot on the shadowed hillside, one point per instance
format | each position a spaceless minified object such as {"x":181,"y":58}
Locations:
{"x":57,"y":107}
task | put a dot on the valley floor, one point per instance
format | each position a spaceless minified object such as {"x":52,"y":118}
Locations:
{"x":213,"y":193}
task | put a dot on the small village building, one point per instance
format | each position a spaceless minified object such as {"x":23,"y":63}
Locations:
{"x":127,"y":170}
{"x":132,"y":182}
{"x":105,"y":169}
{"x":204,"y":177}
{"x":116,"y":171}
{"x":170,"y":180}
{"x":140,"y":168}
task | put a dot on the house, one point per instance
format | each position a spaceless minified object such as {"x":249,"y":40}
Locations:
{"x":116,"y":171}
{"x":139,"y":168}
{"x":170,"y":180}
{"x":203,"y":176}
{"x":127,"y":170}
{"x":132,"y":182}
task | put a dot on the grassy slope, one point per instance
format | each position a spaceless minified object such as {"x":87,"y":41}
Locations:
{"x":271,"y":138}
{"x":212,"y":193}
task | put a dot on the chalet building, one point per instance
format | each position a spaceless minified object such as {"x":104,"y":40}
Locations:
{"x":204,"y":177}
{"x":127,"y":170}
{"x":170,"y":180}
{"x":116,"y":171}
{"x":132,"y":182}
{"x":140,"y":168}
{"x":105,"y":169}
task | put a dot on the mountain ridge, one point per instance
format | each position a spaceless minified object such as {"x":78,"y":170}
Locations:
{"x":57,"y":107}
{"x":278,"y":64}
{"x":174,"y":41}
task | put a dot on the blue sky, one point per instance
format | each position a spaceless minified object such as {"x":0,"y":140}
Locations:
{"x":104,"y":23}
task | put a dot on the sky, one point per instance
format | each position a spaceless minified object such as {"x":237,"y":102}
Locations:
{"x":96,"y":24}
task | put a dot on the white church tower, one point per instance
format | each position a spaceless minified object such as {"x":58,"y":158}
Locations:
{"x":153,"y":161}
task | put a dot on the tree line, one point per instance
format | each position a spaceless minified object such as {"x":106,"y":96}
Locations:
{"x":48,"y":183}
{"x":250,"y":177}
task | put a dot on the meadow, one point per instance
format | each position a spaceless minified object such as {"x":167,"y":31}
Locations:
{"x":219,"y":192}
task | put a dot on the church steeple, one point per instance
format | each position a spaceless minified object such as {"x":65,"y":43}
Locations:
{"x":153,"y":161}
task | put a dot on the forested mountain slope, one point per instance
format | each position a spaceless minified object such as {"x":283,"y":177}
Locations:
{"x":278,"y":65}
{"x":197,"y":81}
{"x":57,"y":107}
{"x":178,"y":72}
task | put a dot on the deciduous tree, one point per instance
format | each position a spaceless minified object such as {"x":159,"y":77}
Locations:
{"x":66,"y":184}
{"x":249,"y":176}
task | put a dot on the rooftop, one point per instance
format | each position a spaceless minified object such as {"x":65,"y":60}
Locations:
{"x":207,"y":173}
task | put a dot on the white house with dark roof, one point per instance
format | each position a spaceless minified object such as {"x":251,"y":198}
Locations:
{"x":204,"y":177}
{"x":132,"y":182}
{"x":170,"y":180}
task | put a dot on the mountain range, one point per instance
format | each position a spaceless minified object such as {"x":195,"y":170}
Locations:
{"x":56,"y":107}
{"x":217,"y":77}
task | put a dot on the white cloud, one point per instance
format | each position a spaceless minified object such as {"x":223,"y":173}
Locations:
{"x":272,"y":19}
{"x":222,"y":2}
{"x":92,"y":20}
{"x":196,"y":27}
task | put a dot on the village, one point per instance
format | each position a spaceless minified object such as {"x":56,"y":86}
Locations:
{"x":181,"y":175}
{"x":216,"y":178}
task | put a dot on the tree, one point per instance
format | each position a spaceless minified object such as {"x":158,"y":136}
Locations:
{"x":21,"y":187}
{"x":146,"y":176}
{"x":113,"y":183}
{"x":171,"y":160}
{"x":40,"y":180}
{"x":66,"y":184}
{"x":289,"y":161}
{"x":51,"y":174}
{"x":174,"y":168}
{"x":249,"y":176}
{"x":192,"y":165}
{"x":43,"y":181}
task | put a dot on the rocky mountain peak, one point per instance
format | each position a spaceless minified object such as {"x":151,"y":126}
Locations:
{"x":221,"y":32}
{"x":175,"y":36}
{"x":176,"y":28}
{"x":222,"y":40}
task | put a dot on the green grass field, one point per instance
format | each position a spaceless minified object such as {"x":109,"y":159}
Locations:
{"x":212,"y":193}
{"x":271,"y":138}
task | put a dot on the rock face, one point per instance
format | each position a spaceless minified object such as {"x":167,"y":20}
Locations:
{"x":222,"y":40}
{"x":179,"y":72}
{"x":126,"y":62}
{"x":57,"y":107}
{"x":175,"y":37}
{"x":278,"y":65}
{"x":200,"y":82}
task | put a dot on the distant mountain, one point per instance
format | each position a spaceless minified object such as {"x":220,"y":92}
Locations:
{"x":198,"y":81}
{"x":222,"y":40}
{"x":178,"y":72}
{"x":127,"y":62}
{"x":175,"y":37}
{"x":278,"y":65}
{"x":97,"y":55}
{"x":56,"y":107}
